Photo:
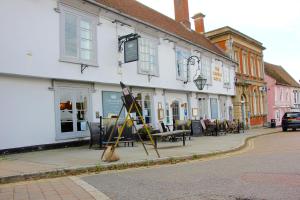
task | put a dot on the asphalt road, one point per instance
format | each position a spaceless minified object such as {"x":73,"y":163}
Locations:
{"x":268,"y":169}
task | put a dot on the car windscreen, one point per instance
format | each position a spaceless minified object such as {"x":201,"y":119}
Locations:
{"x":292,"y":115}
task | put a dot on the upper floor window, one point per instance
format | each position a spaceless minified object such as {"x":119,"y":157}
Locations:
{"x":253,"y":67}
{"x":259,"y":68}
{"x":78,"y":42}
{"x":181,"y":64}
{"x":281,"y":94}
{"x":245,"y":66}
{"x":148,"y":56}
{"x":206,"y":68}
{"x":226,"y":76}
{"x":237,"y":59}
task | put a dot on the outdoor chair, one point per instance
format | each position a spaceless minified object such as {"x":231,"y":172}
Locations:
{"x":94,"y":128}
{"x":183,"y":125}
{"x":209,"y":127}
{"x":127,"y":136}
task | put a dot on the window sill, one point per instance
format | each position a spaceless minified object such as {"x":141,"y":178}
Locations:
{"x":148,"y":74}
{"x":79,"y":63}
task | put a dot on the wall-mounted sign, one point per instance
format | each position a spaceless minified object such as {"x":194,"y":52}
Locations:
{"x":217,"y":73}
{"x":112,"y":104}
{"x":131,"y":50}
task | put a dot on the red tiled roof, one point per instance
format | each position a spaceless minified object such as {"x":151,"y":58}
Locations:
{"x":141,"y":12}
{"x":281,"y":76}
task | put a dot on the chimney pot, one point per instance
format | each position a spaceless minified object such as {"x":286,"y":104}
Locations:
{"x":182,"y":16}
{"x":199,"y":22}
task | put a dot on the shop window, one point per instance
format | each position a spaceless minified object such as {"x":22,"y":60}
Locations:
{"x":112,"y":104}
{"x":254,"y":103}
{"x":145,"y":101}
{"x":214,"y":108}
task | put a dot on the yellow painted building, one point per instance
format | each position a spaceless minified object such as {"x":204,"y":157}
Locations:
{"x":250,"y":100}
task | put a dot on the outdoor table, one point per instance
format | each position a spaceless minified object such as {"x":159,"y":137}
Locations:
{"x":181,"y":133}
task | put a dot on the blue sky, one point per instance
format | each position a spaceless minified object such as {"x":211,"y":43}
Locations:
{"x":274,"y":23}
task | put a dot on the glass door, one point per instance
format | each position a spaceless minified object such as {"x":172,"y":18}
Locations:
{"x":72,"y":113}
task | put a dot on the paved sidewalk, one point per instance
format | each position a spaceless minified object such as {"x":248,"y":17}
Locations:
{"x":46,"y":189}
{"x":68,"y":161}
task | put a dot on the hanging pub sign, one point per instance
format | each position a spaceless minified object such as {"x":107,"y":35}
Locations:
{"x":131,"y":47}
{"x":131,"y":50}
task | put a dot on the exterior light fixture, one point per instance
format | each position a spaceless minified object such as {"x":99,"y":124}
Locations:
{"x":199,"y":80}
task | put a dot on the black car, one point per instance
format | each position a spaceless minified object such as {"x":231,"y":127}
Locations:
{"x":290,"y":120}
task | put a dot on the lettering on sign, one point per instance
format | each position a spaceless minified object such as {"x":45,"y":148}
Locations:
{"x":217,"y":73}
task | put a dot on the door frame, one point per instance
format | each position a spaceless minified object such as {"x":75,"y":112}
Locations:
{"x":73,"y":90}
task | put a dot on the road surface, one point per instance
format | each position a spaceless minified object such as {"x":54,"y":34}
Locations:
{"x":268,"y":169}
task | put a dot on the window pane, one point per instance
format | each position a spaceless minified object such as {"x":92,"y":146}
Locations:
{"x":85,"y":34}
{"x":81,"y":109}
{"x":66,"y":114}
{"x":85,"y":54}
{"x":85,"y":24}
{"x":85,"y":44}
{"x":70,"y":35}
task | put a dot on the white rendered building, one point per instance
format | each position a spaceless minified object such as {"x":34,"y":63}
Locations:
{"x":60,"y":66}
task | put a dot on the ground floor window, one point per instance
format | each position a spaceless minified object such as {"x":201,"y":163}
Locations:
{"x":71,"y":112}
{"x":214,"y":108}
{"x":145,"y":101}
{"x":112,"y":104}
{"x":203,"y":105}
{"x":175,"y":110}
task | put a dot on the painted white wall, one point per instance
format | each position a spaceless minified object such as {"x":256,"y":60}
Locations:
{"x":27,"y":108}
{"x":32,"y":49}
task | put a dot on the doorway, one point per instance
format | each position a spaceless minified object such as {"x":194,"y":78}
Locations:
{"x":72,"y":111}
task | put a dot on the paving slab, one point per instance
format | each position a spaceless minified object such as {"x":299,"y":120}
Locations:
{"x":46,"y":163}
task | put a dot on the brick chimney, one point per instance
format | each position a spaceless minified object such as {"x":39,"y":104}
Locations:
{"x":182,"y":16}
{"x":199,"y":22}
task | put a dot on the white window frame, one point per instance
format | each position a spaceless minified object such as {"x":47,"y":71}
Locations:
{"x":148,"y":45}
{"x":80,"y":15}
{"x":142,"y":102}
{"x":206,"y":63}
{"x":226,"y":76}
{"x":182,"y":71}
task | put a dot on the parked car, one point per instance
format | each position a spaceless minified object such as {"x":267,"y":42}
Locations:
{"x":290,"y":120}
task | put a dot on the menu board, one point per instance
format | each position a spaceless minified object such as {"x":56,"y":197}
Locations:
{"x":112,"y":104}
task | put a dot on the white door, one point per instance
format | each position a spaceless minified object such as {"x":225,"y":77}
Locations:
{"x":72,"y":110}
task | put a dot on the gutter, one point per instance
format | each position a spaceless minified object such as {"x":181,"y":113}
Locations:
{"x":154,"y":27}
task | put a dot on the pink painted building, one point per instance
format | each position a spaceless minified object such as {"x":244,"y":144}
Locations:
{"x":283,"y":92}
